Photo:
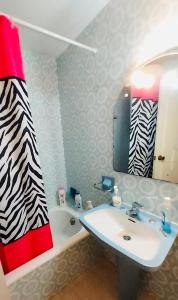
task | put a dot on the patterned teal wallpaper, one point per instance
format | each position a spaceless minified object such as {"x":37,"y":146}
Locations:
{"x":42,"y":84}
{"x":89,"y":87}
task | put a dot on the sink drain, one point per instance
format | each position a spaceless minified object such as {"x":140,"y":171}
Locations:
{"x":72,"y":221}
{"x":127,"y":237}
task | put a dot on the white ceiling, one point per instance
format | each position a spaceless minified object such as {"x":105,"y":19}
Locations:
{"x":65,"y":17}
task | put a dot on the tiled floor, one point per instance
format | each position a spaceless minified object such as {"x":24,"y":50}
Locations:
{"x":97,"y":283}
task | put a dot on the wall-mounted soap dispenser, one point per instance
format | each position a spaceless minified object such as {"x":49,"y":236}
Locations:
{"x":106,"y":184}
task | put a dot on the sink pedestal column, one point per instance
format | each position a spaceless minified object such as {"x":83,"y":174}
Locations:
{"x":129,"y":274}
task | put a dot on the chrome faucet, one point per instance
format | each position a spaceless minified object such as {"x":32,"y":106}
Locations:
{"x":134,"y":210}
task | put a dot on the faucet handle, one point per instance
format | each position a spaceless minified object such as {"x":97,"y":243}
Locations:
{"x":136,"y":204}
{"x":134,"y":210}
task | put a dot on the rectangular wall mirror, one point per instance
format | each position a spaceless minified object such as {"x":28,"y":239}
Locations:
{"x":145,"y":121}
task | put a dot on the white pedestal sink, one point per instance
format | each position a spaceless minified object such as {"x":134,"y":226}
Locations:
{"x":139,"y":243}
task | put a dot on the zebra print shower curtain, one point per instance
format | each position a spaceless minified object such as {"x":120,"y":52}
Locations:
{"x":143,"y":119}
{"x":24,"y":225}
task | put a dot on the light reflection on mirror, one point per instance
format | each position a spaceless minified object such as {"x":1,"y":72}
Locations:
{"x":139,"y":79}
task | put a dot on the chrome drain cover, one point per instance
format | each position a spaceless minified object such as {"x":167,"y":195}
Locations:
{"x":127,"y":237}
{"x":72,"y":221}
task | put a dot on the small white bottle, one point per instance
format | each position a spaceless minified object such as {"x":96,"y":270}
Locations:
{"x":116,"y":198}
{"x":62,"y":196}
{"x":78,"y":201}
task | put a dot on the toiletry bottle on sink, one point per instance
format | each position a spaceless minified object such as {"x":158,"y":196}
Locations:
{"x":89,"y":205}
{"x":116,"y":198}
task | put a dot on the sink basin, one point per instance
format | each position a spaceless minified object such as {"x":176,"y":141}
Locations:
{"x":141,"y":240}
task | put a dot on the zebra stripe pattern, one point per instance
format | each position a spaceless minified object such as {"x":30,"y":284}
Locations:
{"x":143,"y":118}
{"x":22,"y":198}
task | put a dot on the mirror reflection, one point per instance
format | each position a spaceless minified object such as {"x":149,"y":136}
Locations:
{"x":145,"y":122}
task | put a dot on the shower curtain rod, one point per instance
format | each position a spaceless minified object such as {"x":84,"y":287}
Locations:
{"x":49,"y":33}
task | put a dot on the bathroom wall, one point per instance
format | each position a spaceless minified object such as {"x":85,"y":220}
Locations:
{"x":42,"y":83}
{"x":89,"y":87}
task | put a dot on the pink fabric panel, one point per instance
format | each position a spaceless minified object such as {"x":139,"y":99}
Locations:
{"x":147,"y":94}
{"x":10,"y":54}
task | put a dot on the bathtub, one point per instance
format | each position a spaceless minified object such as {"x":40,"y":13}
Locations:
{"x":66,"y":231}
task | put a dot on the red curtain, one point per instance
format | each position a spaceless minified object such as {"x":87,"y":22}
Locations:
{"x":24,"y":224}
